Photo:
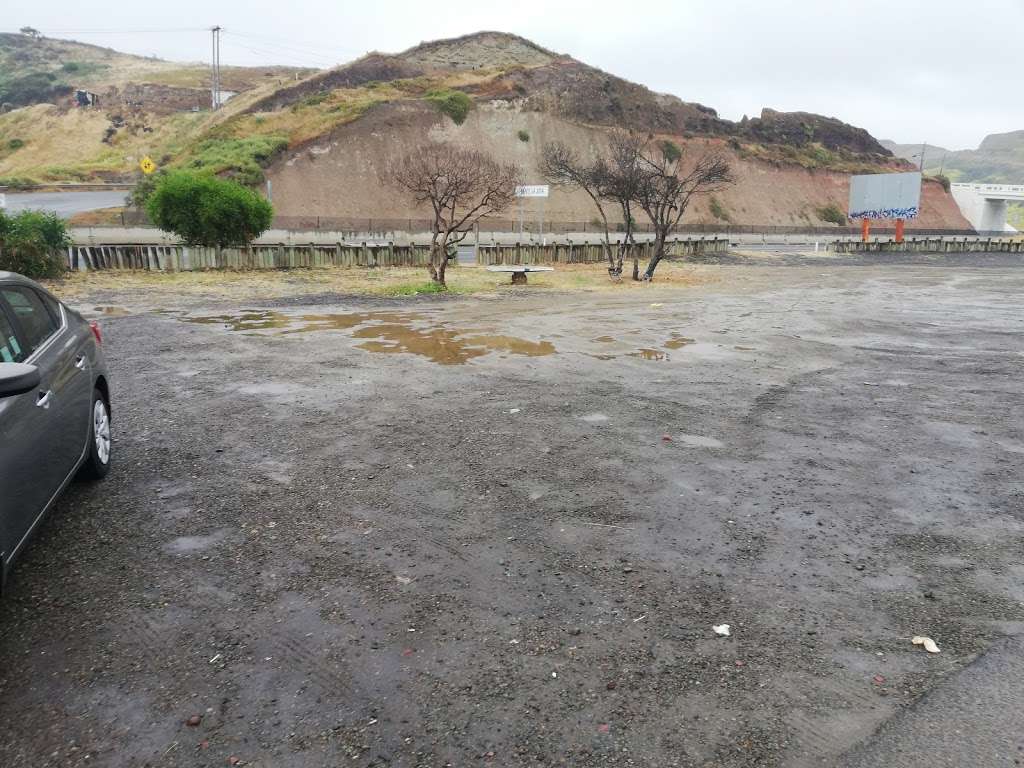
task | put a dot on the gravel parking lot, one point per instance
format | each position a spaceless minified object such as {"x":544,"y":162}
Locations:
{"x":498,"y":530}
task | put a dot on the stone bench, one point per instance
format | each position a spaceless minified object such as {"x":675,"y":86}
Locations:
{"x":519,"y":271}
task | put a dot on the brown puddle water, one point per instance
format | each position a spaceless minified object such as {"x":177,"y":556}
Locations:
{"x":650,"y":354}
{"x":678,"y":342}
{"x":386,"y":332}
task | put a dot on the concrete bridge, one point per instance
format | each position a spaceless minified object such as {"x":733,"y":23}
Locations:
{"x":984,"y":205}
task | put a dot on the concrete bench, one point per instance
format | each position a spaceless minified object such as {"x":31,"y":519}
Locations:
{"x":519,"y":271}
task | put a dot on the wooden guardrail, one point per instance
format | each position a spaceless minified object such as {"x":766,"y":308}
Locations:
{"x":590,"y":253}
{"x":182,"y":258}
{"x":932,"y":245}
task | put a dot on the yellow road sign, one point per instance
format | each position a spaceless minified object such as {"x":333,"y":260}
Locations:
{"x":147,"y":165}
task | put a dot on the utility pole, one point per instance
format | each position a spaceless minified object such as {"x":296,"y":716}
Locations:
{"x":215,"y":77}
{"x":923,"y":148}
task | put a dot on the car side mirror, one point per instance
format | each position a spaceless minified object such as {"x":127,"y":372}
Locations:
{"x":17,"y":378}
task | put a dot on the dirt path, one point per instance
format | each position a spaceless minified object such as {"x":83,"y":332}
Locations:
{"x":431,"y":533}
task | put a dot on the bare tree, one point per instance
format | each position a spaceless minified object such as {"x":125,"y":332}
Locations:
{"x":623,"y":184}
{"x":561,"y":165}
{"x":460,"y":186}
{"x":611,"y":179}
{"x":668,"y":183}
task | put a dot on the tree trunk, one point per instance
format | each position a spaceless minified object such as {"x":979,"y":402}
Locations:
{"x":659,"y":252}
{"x":440,"y":270}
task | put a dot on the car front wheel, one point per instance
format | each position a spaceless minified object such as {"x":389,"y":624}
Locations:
{"x":97,"y":463}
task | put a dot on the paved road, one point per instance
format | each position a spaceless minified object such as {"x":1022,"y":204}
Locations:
{"x":66,"y":204}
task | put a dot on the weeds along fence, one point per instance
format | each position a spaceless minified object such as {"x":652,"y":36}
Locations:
{"x":932,"y":245}
{"x":181,"y":258}
{"x":591,"y":253}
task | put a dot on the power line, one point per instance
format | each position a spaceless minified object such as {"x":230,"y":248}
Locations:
{"x":286,"y":58}
{"x":296,"y":46}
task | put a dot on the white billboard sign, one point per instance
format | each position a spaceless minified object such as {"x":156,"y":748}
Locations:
{"x":885,"y":196}
{"x":532,"y":190}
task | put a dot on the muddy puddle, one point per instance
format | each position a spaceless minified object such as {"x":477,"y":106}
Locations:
{"x":678,"y":341}
{"x":111,"y":311}
{"x":384,"y":332}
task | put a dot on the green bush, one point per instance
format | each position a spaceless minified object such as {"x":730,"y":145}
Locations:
{"x":832,"y":214}
{"x":33,"y":243}
{"x":205,"y":210}
{"x":143,"y":189}
{"x":15,"y":144}
{"x":455,"y":104}
{"x":718,"y":210}
{"x":671,"y":151}
{"x":71,"y":66}
{"x":524,"y":136}
{"x":16,"y":182}
{"x":241,"y":159}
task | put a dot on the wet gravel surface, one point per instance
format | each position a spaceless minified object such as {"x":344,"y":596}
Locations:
{"x":498,"y":531}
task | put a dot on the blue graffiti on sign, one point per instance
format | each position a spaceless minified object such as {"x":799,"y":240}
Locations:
{"x":886,"y":213}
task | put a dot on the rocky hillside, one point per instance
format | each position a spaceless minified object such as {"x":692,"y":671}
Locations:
{"x":322,"y":137}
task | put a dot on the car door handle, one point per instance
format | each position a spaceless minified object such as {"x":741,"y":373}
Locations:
{"x":80,"y":362}
{"x":44,"y":399}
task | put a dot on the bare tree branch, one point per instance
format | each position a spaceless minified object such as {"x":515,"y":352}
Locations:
{"x":461,"y":186}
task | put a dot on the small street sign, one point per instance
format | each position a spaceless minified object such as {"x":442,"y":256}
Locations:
{"x":532,"y":190}
{"x":147,"y":165}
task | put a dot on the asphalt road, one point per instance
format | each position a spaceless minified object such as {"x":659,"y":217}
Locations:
{"x":498,"y":530}
{"x":65,"y":204}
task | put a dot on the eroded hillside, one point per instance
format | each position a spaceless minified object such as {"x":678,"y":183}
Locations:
{"x":322,"y":138}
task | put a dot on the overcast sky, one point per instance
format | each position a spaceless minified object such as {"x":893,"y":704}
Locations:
{"x":943,"y":71}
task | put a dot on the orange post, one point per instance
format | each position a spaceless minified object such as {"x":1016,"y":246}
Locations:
{"x":899,"y":230}
{"x":865,"y":229}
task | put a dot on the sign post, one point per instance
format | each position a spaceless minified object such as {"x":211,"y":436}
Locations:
{"x":532,"y":190}
{"x":885,"y":196}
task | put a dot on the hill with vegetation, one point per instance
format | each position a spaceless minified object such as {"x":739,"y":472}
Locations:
{"x":999,"y":159}
{"x":496,"y":91}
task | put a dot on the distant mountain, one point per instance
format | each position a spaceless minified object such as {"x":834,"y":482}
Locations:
{"x":999,"y":159}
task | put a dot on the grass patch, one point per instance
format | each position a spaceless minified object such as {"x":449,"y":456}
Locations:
{"x":241,"y":159}
{"x":162,"y":289}
{"x":414,"y":289}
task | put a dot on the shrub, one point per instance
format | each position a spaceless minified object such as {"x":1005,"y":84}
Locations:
{"x":33,"y":243}
{"x":143,"y":189}
{"x":202,"y":209}
{"x":16,"y":182}
{"x":15,"y":144}
{"x":671,"y":151}
{"x":524,"y":136}
{"x":718,"y":210}
{"x":944,"y":181}
{"x":71,"y":66}
{"x":832,"y":214}
{"x":455,"y":104}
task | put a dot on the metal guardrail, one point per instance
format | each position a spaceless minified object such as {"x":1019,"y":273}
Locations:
{"x":512,"y":226}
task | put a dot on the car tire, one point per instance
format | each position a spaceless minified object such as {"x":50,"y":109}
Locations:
{"x":97,"y":463}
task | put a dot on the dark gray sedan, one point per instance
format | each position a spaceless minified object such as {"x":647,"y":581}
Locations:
{"x":54,"y":407}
